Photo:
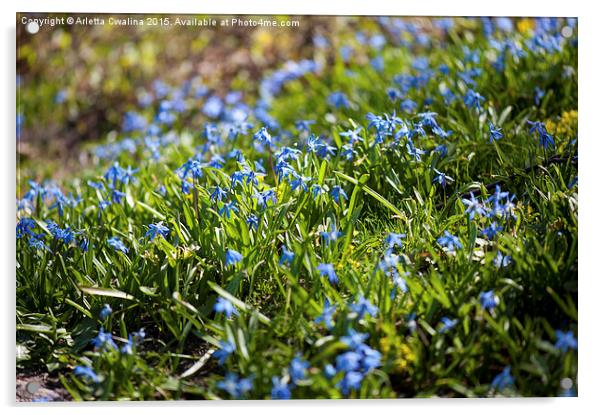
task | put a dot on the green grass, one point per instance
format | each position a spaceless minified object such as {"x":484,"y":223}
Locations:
{"x":169,"y":285}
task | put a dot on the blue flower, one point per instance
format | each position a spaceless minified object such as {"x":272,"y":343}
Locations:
{"x":298,"y":369}
{"x":565,"y":341}
{"x":104,"y":340}
{"x":227,"y":209}
{"x":348,"y":152}
{"x":115,"y":243}
{"x":447,"y":324}
{"x":503,"y":380}
{"x":233,"y":257}
{"x":326,"y":316}
{"x":128,"y":348}
{"x":252,"y":221}
{"x":234,"y":385}
{"x":316,"y":190}
{"x":441,"y":149}
{"x":545,"y":139}
{"x":155,"y":229}
{"x":328,"y":271}
{"x":286,"y":256}
{"x":299,"y":182}
{"x":473,"y":206}
{"x":441,"y":178}
{"x":364,"y":306}
{"x":371,"y":359}
{"x":348,"y":361}
{"x":449,"y":241}
{"x":538,"y":95}
{"x":225,"y":350}
{"x":332,"y":235}
{"x":337,"y":192}
{"x":494,"y":133}
{"x":414,"y":152}
{"x":304,"y":125}
{"x":338,"y":99}
{"x":218,"y":194}
{"x":378,"y":63}
{"x":264,"y":197}
{"x":280,"y":389}
{"x":86,"y":372}
{"x":501,"y":260}
{"x":351,"y":381}
{"x":84,"y":244}
{"x":488,"y":300}
{"x":25,"y":227}
{"x":117,"y":196}
{"x":105,"y":312}
{"x":408,"y":106}
{"x":263,"y":136}
{"x":330,"y":371}
{"x":473,"y":99}
{"x":394,"y":239}
{"x":491,"y":231}
{"x":38,"y":244}
{"x":103,"y":204}
{"x":213,"y":107}
{"x":353,"y":339}
{"x":223,"y":305}
{"x":65,"y":235}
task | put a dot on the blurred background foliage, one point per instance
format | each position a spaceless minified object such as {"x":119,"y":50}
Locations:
{"x":76,"y":82}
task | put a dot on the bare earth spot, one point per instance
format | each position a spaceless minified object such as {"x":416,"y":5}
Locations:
{"x":40,"y":387}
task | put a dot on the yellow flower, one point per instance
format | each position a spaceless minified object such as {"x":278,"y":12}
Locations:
{"x":525,"y":25}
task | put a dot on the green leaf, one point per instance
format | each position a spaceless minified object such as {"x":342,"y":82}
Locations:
{"x":106,"y":292}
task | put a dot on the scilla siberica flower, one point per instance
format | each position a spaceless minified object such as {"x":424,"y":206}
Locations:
{"x":225,"y":350}
{"x":565,"y":341}
{"x":227,"y":209}
{"x":326,"y":316}
{"x":235,"y":386}
{"x":105,"y":312}
{"x":233,"y":257}
{"x":286,"y":256}
{"x":332,"y":235}
{"x":394,"y":240}
{"x":473,"y":99}
{"x":441,"y":178}
{"x":503,"y":380}
{"x":327,"y":270}
{"x":298,"y":369}
{"x":449,"y":241}
{"x":494,"y":133}
{"x":263,"y":136}
{"x":491,"y":231}
{"x":488,"y":300}
{"x":545,"y":139}
{"x":501,"y":260}
{"x":218,"y":194}
{"x":473,"y":206}
{"x":155,"y":229}
{"x":115,"y":243}
{"x":280,"y":389}
{"x":252,"y":221}
{"x":338,"y":99}
{"x":337,"y":193}
{"x":223,"y":305}
{"x":103,"y":340}
{"x":363,"y":307}
{"x":447,"y":324}
{"x":86,"y":372}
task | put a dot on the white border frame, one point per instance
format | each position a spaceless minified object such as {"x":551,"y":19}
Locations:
{"x":590,"y":339}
